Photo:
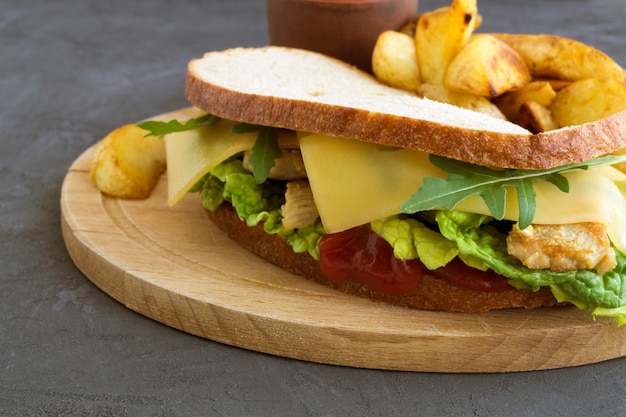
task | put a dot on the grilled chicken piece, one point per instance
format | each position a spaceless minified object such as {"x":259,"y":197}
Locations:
{"x":299,"y":209}
{"x":563,"y":247}
{"x":289,"y":166}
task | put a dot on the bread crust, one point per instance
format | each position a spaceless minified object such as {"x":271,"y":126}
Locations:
{"x":478,"y":146}
{"x":431,"y":294}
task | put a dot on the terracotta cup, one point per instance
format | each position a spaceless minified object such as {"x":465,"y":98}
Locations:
{"x":344,"y":29}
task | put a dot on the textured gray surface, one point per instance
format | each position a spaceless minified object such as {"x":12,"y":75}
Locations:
{"x":71,"y":70}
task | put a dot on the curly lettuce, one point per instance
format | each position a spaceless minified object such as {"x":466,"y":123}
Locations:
{"x":478,"y":243}
{"x":411,"y":239}
{"x":255,"y":204}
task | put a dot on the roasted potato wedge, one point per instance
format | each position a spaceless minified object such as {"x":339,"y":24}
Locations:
{"x":557,"y":85}
{"x":535,"y":117}
{"x":127,"y":164}
{"x":410,"y":26}
{"x":486,"y":67}
{"x":542,"y":82}
{"x":588,"y":100}
{"x":394,"y":61}
{"x":551,"y":56}
{"x":440,"y":34}
{"x":540,"y":92}
{"x":439,"y":92}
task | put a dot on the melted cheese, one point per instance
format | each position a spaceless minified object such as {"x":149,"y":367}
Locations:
{"x":194,"y":153}
{"x":355,"y":182}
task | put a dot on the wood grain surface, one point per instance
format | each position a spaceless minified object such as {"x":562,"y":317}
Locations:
{"x":176,"y":267}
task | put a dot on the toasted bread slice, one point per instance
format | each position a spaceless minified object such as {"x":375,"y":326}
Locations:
{"x":308,"y":91}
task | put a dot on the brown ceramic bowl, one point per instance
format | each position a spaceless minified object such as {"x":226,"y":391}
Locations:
{"x":344,"y":29}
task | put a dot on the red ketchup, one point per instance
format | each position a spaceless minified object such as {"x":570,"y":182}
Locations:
{"x":359,"y":254}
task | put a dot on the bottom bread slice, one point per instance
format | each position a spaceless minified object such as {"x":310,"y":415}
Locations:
{"x":432,"y":294}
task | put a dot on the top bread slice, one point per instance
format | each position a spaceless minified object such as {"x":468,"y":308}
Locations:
{"x":307,"y":91}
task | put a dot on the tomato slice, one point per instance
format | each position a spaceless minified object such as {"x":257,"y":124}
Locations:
{"x":361,"y":255}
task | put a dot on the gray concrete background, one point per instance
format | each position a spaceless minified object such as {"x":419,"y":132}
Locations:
{"x":70,"y":71}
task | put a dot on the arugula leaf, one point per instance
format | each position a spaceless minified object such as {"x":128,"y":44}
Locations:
{"x":245,"y":128}
{"x":465,"y":180}
{"x":264,"y":151}
{"x":159,"y":128}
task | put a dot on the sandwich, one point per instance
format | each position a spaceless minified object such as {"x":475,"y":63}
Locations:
{"x":333,"y":175}
{"x":323,"y":170}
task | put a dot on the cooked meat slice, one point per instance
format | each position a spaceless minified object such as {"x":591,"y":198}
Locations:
{"x":563,"y":247}
{"x":289,"y":166}
{"x":299,"y":209}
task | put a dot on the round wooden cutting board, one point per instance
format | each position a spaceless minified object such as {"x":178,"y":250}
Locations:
{"x":174,"y":266}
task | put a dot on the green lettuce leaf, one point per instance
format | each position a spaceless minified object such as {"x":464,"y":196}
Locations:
{"x":211,"y":187}
{"x":307,"y":239}
{"x":411,"y":239}
{"x":248,"y":200}
{"x":255,"y":203}
{"x":477,"y":239}
{"x":562,"y":296}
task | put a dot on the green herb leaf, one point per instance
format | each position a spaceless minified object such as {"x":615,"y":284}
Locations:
{"x":245,"y":128}
{"x":264,"y":151}
{"x":465,"y":180}
{"x":159,"y":128}
{"x":526,"y":201}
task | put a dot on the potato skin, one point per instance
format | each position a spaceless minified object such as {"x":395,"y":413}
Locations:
{"x":127,"y":164}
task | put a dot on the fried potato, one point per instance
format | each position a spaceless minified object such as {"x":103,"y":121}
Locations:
{"x":535,"y":117}
{"x":588,"y":100}
{"x":410,"y":26}
{"x":439,"y":92}
{"x":394,"y":61}
{"x":551,"y":56}
{"x":557,"y":85}
{"x":486,"y":67}
{"x":440,"y":34}
{"x":541,"y":82}
{"x":540,"y":92}
{"x":127,"y":164}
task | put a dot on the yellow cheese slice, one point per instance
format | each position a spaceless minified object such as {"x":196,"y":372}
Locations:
{"x":193,"y":153}
{"x":355,"y":182}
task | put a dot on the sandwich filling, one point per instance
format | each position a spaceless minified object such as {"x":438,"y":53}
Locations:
{"x":321,"y":194}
